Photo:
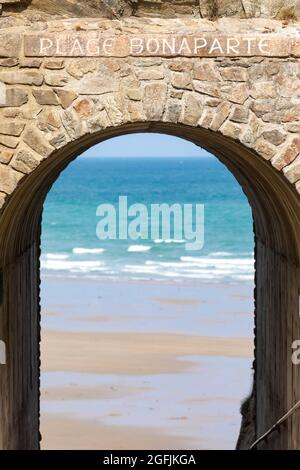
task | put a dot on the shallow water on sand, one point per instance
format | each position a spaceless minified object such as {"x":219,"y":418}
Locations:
{"x":195,"y":405}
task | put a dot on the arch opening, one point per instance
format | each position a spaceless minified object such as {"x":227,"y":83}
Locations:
{"x":141,"y":292}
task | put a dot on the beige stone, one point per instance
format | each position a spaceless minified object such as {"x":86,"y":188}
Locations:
{"x":16,"y":97}
{"x":150,"y":73}
{"x":292,"y":171}
{"x":78,"y":68}
{"x":237,"y":93}
{"x":206,"y":118}
{"x":231,"y":129}
{"x":59,"y":140}
{"x":206,"y":72}
{"x":265,"y":149}
{"x":134,"y":94}
{"x":136,"y":111}
{"x":293,"y":127}
{"x":275,"y":136}
{"x":182,"y":80}
{"x":193,"y":108}
{"x":239,"y":114}
{"x":72,"y":123}
{"x":6,"y":156}
{"x":207,"y":88}
{"x":36,"y":141}
{"x":49,"y":120}
{"x":180,"y":66}
{"x":31,"y":63}
{"x":221,"y":114}
{"x":54,"y":64}
{"x":263,"y":90}
{"x":30,"y":77}
{"x":84,"y":108}
{"x":154,"y":100}
{"x":66,"y":97}
{"x":56,"y":79}
{"x":45,"y":96}
{"x":173,"y":111}
{"x":10,"y":44}
{"x":287,"y":155}
{"x":234,"y":74}
{"x":262,"y":107}
{"x":25,"y":161}
{"x":97,"y":83}
{"x":9,"y":62}
{"x":8,"y":141}
{"x":252,"y":131}
{"x":98,"y":121}
{"x":9,"y":179}
{"x":2,"y":199}
{"x":11,"y":128}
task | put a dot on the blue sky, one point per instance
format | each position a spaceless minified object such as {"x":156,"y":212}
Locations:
{"x":146,"y":145}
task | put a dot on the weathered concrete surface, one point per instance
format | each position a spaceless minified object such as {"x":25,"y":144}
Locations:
{"x":244,"y":109}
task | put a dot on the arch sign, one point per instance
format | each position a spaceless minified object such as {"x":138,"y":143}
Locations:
{"x":232,"y":87}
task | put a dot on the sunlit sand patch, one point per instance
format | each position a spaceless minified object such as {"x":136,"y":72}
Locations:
{"x":133,"y":353}
{"x":62,"y":432}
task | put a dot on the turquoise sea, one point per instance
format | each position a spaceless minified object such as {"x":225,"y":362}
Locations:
{"x":70,"y":247}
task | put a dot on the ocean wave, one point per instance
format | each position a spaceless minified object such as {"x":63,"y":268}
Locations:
{"x":187,"y":267}
{"x":56,"y":256}
{"x":138,"y":248}
{"x":219,"y":262}
{"x":196,"y":268}
{"x":72,"y":266}
{"x":83,"y":251}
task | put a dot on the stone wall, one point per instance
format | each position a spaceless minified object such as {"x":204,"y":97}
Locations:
{"x":288,"y":10}
{"x":243,"y":108}
{"x":52,"y":101}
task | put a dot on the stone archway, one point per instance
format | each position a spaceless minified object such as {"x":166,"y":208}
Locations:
{"x":234,"y":98}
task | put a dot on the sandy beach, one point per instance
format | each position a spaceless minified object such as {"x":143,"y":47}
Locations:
{"x":109,"y":382}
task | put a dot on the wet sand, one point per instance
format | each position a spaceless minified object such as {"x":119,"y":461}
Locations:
{"x":137,"y":367}
{"x":133,"y":353}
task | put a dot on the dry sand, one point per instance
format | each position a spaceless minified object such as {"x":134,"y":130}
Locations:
{"x":132,"y":353}
{"x":63,"y":433}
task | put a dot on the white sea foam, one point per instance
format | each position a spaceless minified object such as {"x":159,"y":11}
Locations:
{"x":72,"y":266}
{"x":169,"y":240}
{"x":83,"y":251}
{"x":187,"y":267}
{"x":56,"y":256}
{"x":138,"y":248}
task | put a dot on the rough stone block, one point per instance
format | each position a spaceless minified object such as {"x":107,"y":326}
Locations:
{"x":16,"y":97}
{"x":25,"y":161}
{"x":154,"y":100}
{"x":36,"y":141}
{"x":292,"y":171}
{"x":193,"y":108}
{"x":45,"y":96}
{"x":66,"y":97}
{"x":11,"y":128}
{"x":30,"y":77}
{"x":9,"y":179}
{"x":287,"y":154}
{"x":221,"y":114}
